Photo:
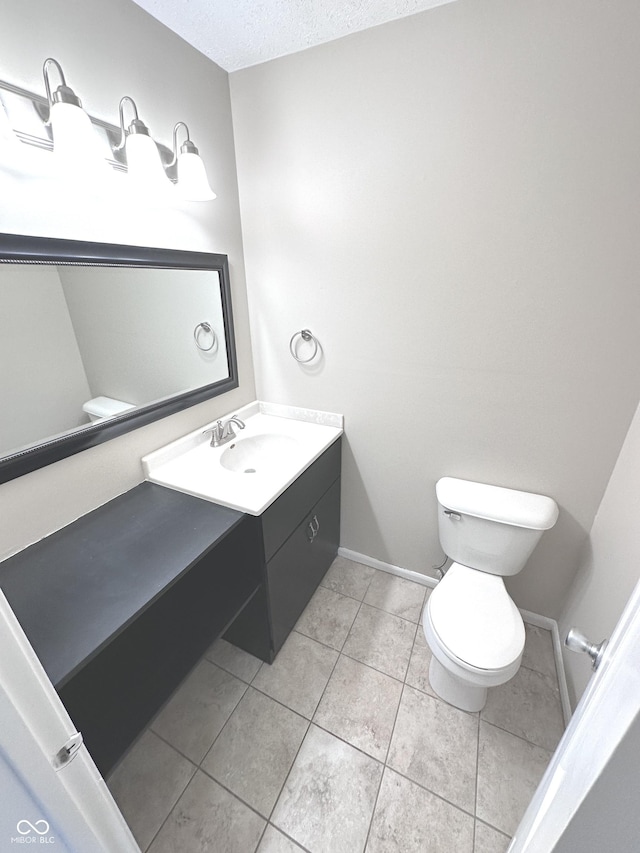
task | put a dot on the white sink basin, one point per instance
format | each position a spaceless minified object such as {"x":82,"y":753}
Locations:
{"x":259,"y":453}
{"x":250,"y":472}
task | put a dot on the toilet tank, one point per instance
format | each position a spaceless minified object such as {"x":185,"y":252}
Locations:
{"x":491,"y":528}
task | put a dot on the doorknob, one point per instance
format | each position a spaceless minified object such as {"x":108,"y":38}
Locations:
{"x":577,"y":642}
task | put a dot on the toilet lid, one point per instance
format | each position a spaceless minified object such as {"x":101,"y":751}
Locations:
{"x":476,"y":619}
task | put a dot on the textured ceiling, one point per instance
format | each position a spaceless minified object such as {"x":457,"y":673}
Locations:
{"x":238,"y":33}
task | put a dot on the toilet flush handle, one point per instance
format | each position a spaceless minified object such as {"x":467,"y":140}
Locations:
{"x":577,"y":642}
{"x":455,"y":516}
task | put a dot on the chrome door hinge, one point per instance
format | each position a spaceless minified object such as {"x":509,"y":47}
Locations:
{"x":64,"y":755}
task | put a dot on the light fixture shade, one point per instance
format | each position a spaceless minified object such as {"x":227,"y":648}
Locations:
{"x":193,"y":184}
{"x":75,"y":144}
{"x":144,"y":164}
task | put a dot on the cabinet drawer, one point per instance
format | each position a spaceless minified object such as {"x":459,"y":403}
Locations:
{"x":295,"y":503}
{"x":294,"y":573}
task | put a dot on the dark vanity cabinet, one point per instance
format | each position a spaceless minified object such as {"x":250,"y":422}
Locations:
{"x":301,"y":534}
{"x":122,"y":603}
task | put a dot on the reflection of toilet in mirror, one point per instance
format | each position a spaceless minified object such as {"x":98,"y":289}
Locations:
{"x":473,"y":628}
{"x":100,"y":408}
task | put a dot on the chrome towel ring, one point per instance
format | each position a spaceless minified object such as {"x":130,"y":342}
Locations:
{"x":305,"y":335}
{"x":207,"y":328}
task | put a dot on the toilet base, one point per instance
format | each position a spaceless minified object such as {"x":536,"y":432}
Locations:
{"x":460,"y":694}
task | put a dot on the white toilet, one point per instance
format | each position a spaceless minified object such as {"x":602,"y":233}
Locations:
{"x":100,"y":408}
{"x":473,"y":628}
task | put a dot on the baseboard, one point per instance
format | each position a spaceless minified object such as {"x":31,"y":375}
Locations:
{"x":418,"y":577}
{"x":532,"y":618}
{"x":552,"y":625}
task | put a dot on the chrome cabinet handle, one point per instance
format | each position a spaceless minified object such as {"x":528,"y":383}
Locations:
{"x":312,"y":528}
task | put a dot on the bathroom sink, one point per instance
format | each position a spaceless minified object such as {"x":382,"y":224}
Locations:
{"x":260,"y":453}
{"x":248,"y":473}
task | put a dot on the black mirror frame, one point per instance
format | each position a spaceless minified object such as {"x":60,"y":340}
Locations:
{"x":16,"y":248}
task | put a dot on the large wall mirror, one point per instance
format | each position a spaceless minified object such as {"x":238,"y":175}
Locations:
{"x":98,"y":339}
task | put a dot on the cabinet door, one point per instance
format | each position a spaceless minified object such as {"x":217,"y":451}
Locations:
{"x":295,"y":571}
{"x":290,"y":509}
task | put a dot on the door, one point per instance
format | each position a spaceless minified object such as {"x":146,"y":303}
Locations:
{"x":47,"y":799}
{"x":587,"y":799}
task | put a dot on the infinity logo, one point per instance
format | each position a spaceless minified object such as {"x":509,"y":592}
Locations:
{"x":41,"y":827}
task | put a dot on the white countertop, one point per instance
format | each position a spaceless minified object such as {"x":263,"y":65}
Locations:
{"x":191,"y":465}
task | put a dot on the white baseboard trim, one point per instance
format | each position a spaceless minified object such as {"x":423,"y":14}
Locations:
{"x":552,"y":625}
{"x":410,"y":575}
{"x":533,"y":618}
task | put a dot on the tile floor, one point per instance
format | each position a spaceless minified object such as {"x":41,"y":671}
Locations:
{"x":340,"y":745}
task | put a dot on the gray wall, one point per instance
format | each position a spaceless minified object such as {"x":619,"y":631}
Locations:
{"x":34,"y":323}
{"x":610,"y":562}
{"x":108,"y":50}
{"x":450,"y":203}
{"x":135,"y":330}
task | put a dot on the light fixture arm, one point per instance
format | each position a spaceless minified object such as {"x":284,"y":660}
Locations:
{"x":63,"y":94}
{"x":136,"y":126}
{"x":187,"y":146}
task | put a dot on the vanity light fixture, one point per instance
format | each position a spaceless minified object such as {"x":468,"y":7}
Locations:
{"x":193,"y":184}
{"x":144,"y":164}
{"x":89,"y":149}
{"x":16,"y":157}
{"x":8,"y":140}
{"x":75,"y":144}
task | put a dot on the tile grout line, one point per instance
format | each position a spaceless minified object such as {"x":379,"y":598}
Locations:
{"x":520,"y":737}
{"x":384,"y":763}
{"x":373,"y":810}
{"x":310,"y":721}
{"x":309,"y":724}
{"x":282,"y":787}
{"x":179,"y":751}
{"x":375,"y":606}
{"x":234,"y":795}
{"x":170,"y":812}
{"x":289,"y":837}
{"x":494,"y":828}
{"x":175,"y":749}
{"x":420,"y":784}
{"x":233,"y":710}
{"x":262,"y":834}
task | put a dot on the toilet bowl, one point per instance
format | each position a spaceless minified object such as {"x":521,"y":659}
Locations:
{"x":472,"y":626}
{"x":476,"y":636}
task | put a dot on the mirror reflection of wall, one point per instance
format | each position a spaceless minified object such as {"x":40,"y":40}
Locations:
{"x":72,"y":333}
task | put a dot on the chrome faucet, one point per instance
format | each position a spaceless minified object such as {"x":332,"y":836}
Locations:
{"x":221,"y":433}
